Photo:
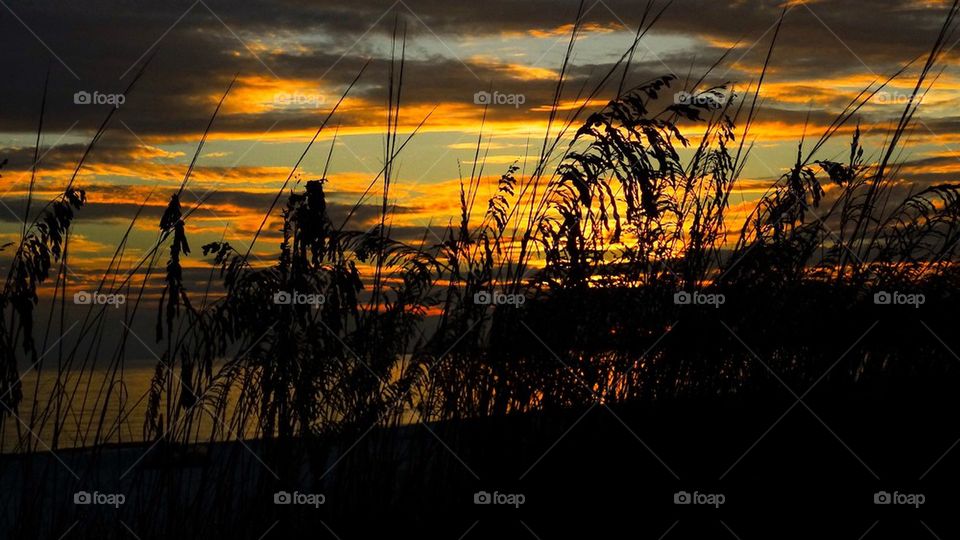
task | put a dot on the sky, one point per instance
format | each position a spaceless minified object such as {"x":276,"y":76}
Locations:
{"x":294,"y":59}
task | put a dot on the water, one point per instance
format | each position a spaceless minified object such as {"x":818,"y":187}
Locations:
{"x":101,"y":407}
{"x":117,"y":405}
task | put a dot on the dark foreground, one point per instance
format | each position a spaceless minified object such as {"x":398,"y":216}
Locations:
{"x":770,"y":467}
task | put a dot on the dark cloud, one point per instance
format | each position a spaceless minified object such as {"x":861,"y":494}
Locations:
{"x":100,"y":41}
{"x":226,"y":205}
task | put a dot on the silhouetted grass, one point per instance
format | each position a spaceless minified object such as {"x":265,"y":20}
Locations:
{"x":619,"y":211}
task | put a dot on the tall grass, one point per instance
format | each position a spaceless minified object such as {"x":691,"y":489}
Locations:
{"x":618,"y":210}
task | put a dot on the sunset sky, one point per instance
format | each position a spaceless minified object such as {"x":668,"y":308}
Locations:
{"x":294,"y":58}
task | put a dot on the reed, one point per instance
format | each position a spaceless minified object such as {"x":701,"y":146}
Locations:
{"x":618,"y":210}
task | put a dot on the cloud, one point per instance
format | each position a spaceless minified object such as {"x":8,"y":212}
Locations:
{"x":298,"y":49}
{"x":294,"y":58}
